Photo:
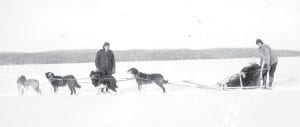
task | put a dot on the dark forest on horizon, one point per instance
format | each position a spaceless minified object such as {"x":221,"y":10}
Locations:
{"x":84,"y":56}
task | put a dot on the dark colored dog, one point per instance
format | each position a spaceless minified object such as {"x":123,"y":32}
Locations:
{"x":142,"y":79}
{"x":108,"y":82}
{"x":60,"y":81}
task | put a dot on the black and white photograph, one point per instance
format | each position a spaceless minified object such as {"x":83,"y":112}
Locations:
{"x":149,"y":63}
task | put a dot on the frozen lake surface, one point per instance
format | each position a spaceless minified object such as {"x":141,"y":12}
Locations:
{"x":180,"y":106}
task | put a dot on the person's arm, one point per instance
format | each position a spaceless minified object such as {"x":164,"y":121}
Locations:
{"x":261,"y":61}
{"x":260,"y":57}
{"x":97,"y":61}
{"x":113,"y":61}
{"x":267,"y":56}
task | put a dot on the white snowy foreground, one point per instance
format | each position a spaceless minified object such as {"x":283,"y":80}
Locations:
{"x":179,"y":107}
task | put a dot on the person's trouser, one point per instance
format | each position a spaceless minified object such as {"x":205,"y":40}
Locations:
{"x":271,"y":75}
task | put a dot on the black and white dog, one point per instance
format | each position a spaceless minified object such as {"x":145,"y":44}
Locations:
{"x":143,"y":78}
{"x":103,"y":81}
{"x":60,"y":81}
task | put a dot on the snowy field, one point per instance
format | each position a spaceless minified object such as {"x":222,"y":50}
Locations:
{"x":180,"y":106}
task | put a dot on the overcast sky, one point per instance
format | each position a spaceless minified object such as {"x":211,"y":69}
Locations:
{"x":40,"y":25}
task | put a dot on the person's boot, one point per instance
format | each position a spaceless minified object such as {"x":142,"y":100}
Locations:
{"x":264,"y":83}
{"x":271,"y":79}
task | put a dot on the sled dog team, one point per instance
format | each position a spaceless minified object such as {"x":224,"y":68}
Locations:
{"x":104,"y":82}
{"x":105,"y":63}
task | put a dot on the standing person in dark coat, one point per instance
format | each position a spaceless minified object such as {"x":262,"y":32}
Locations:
{"x":270,"y":61}
{"x":105,"y":60}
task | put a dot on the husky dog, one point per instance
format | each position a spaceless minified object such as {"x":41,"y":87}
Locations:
{"x":60,"y":81}
{"x":24,"y":84}
{"x":143,"y":79}
{"x":104,"y":82}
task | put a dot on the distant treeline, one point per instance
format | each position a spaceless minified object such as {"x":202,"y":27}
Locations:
{"x":83,"y":56}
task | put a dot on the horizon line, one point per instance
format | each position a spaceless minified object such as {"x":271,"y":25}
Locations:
{"x":143,"y":49}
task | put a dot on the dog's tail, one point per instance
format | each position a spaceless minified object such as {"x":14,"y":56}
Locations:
{"x":166,"y":81}
{"x":77,"y":85}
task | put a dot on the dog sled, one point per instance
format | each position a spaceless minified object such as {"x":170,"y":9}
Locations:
{"x":236,"y":82}
{"x":250,"y":77}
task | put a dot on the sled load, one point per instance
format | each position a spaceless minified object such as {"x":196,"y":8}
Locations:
{"x":249,"y":78}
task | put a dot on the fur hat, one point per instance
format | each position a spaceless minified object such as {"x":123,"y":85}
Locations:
{"x":106,"y":44}
{"x":259,"y":41}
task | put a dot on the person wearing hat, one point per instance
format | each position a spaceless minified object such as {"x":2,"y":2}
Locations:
{"x":270,"y":60}
{"x":105,"y":60}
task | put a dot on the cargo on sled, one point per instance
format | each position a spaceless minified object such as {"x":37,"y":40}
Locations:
{"x":249,"y":78}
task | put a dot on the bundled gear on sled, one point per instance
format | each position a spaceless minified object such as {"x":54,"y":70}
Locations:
{"x":249,"y":77}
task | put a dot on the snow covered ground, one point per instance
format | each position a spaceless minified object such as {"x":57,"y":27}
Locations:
{"x":180,"y":106}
